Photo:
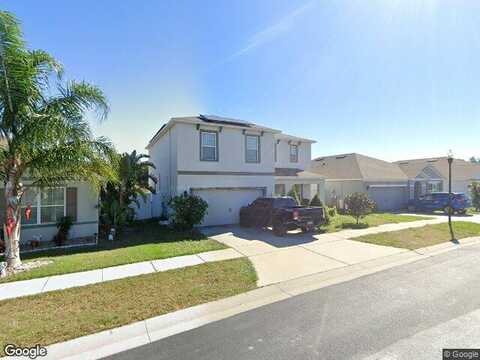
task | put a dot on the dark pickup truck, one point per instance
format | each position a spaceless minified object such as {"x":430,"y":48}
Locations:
{"x":282,"y":214}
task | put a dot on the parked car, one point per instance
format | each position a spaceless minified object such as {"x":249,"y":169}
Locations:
{"x":439,"y":201}
{"x":282,"y":214}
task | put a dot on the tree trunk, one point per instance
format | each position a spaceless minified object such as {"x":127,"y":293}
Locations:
{"x":13,"y":221}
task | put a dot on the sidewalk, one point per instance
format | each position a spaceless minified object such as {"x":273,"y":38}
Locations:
{"x":58,"y":282}
{"x":113,"y":341}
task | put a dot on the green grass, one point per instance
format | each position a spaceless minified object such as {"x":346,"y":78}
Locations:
{"x":66,"y":314}
{"x":472,"y":211}
{"x":141,"y":242}
{"x":341,"y":222}
{"x":415,"y":238}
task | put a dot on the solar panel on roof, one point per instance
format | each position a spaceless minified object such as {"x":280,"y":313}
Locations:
{"x":225,"y":121}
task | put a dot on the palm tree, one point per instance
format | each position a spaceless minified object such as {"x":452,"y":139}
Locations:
{"x":43,"y":133}
{"x":132,"y":181}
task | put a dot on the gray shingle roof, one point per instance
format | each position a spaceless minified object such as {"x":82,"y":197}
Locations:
{"x":461,"y":169}
{"x":357,"y":167}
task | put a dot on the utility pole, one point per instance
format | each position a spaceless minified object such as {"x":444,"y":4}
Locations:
{"x":450,"y":161}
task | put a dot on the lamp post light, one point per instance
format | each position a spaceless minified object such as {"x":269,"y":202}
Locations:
{"x":450,"y":161}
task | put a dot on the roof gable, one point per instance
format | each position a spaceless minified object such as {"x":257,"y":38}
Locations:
{"x":357,"y":167}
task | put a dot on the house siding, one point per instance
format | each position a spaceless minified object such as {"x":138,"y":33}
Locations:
{"x":283,"y":155}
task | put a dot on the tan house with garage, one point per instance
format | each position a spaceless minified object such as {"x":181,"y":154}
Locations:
{"x":344,"y":174}
{"x":227,"y":162}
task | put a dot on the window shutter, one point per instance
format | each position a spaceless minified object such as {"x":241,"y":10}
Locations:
{"x":72,"y":203}
{"x":2,"y":207}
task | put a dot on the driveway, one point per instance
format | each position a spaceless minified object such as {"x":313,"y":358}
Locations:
{"x":278,"y":259}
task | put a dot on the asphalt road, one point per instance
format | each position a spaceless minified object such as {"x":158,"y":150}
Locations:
{"x":408,"y":312}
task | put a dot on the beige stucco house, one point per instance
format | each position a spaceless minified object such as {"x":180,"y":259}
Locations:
{"x":227,"y":162}
{"x":431,"y":174}
{"x":391,"y":185}
{"x":344,"y":174}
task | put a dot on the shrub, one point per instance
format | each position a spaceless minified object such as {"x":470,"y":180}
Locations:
{"x":305,"y":202}
{"x":358,"y":205}
{"x":63,"y":226}
{"x":188,"y":211}
{"x":475,"y":192}
{"x":316,"y":201}
{"x":332,"y":211}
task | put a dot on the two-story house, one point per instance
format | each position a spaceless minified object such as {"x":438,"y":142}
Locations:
{"x":227,"y":162}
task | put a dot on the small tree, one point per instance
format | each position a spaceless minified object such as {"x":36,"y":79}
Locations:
{"x":316,"y":201}
{"x":293,"y":193}
{"x":189,"y":210}
{"x":475,"y":192}
{"x":359,"y":205}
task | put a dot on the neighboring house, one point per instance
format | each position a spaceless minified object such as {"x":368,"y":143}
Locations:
{"x":76,"y":199}
{"x":227,"y":162}
{"x":431,"y":175}
{"x":344,"y":174}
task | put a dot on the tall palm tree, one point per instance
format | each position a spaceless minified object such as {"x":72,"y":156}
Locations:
{"x":43,"y":132}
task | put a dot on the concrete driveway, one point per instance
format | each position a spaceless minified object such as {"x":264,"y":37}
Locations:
{"x":278,"y":259}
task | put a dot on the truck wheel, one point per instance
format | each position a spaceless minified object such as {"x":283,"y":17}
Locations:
{"x":306,"y":229}
{"x":279,"y":229}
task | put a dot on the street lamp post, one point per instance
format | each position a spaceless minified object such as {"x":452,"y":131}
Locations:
{"x":450,"y":161}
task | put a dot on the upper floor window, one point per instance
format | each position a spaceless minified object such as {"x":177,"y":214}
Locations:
{"x":208,"y":146}
{"x":293,"y":153}
{"x":252,"y":146}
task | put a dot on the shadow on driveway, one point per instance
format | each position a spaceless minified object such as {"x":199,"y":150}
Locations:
{"x":292,"y":238}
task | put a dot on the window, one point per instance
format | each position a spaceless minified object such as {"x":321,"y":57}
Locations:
{"x":47,"y":205}
{"x":52,"y":205}
{"x":208,"y":146}
{"x":298,"y":189}
{"x":252,"y":146}
{"x":275,"y":149}
{"x":280,"y":189}
{"x":293,"y":153}
{"x":434,"y":187}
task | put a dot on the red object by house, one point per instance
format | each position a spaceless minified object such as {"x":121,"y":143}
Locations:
{"x":28,"y":212}
{"x":10,"y":222}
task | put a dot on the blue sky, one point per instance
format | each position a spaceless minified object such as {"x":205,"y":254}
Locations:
{"x":392,"y":79}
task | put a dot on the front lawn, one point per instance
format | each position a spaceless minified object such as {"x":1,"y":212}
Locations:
{"x":415,"y":238}
{"x":141,"y":242}
{"x":342,"y":222}
{"x":66,"y":314}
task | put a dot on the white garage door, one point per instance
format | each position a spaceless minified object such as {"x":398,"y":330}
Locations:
{"x":224,"y":204}
{"x":388,"y":198}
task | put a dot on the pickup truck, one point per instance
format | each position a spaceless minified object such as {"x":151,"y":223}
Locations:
{"x":282,"y":214}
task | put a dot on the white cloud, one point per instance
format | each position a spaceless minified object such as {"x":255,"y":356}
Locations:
{"x":272,"y":32}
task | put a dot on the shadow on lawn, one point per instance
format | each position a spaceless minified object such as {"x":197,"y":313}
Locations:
{"x":352,"y":225}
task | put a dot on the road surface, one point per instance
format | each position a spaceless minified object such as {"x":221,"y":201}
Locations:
{"x":408,"y":312}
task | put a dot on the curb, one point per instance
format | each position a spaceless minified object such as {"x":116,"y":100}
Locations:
{"x":130,"y":336}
